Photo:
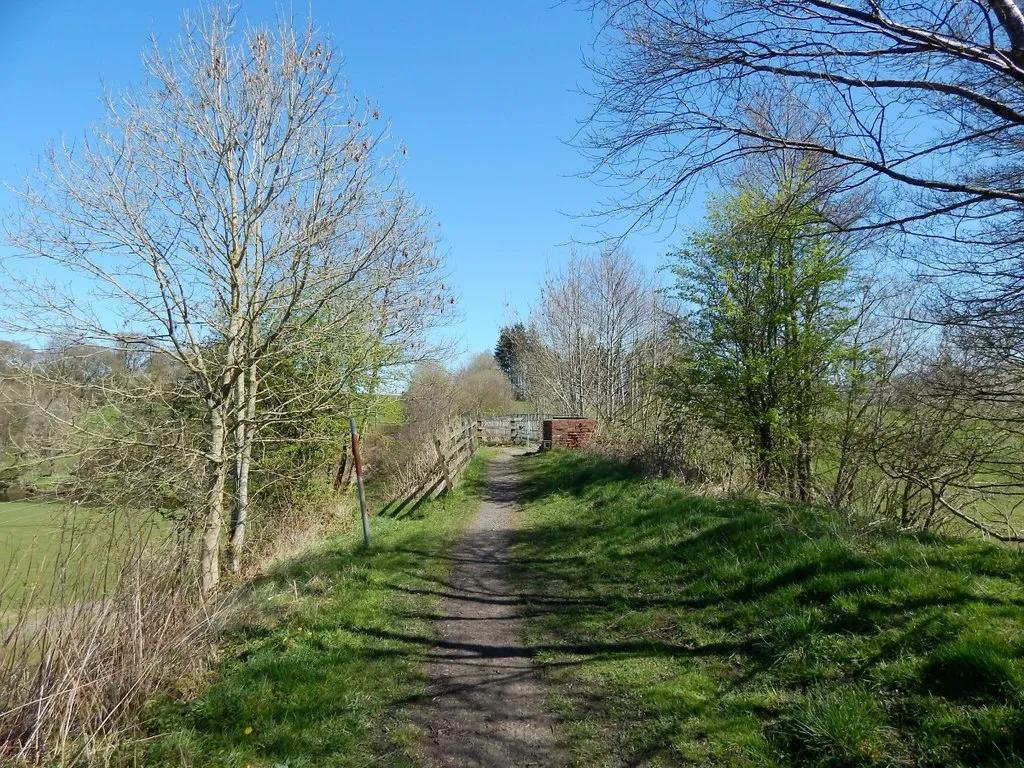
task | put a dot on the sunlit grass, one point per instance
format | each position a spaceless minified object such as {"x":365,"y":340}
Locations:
{"x":681,"y":630}
{"x":330,"y":651}
{"x":42,"y":541}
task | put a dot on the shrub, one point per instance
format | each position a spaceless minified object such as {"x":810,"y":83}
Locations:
{"x":110,"y":620}
{"x":839,"y":727}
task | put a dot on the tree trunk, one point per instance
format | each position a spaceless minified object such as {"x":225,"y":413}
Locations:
{"x":764,"y":457}
{"x":209,"y":559}
{"x":244,"y":434}
{"x":343,"y":475}
{"x":842,"y":489}
{"x":803,"y":480}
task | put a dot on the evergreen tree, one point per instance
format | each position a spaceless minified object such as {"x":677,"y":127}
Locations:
{"x":510,"y":353}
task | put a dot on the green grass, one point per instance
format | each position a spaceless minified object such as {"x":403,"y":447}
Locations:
{"x":682,"y":630}
{"x":27,"y":516}
{"x":29,"y":537}
{"x":330,"y":650}
{"x":35,"y":535}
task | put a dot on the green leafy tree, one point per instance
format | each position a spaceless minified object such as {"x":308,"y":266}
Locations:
{"x":766,"y":284}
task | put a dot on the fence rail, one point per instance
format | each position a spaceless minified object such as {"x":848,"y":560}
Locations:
{"x":453,"y":452}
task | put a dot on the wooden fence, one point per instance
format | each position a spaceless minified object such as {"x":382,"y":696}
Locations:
{"x":453,"y":452}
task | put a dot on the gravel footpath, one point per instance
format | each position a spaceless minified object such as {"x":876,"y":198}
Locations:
{"x":485,"y":705}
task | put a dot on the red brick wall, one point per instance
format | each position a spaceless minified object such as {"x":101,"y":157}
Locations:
{"x":569,"y":433}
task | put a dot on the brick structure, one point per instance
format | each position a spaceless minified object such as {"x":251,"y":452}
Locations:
{"x":572,"y":433}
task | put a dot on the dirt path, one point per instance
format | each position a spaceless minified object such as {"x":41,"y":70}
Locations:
{"x":485,"y":705}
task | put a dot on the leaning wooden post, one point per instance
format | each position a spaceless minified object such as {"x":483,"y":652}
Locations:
{"x":357,"y":460}
{"x":444,"y":464}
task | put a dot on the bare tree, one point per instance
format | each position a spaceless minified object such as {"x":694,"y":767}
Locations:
{"x":919,"y":104}
{"x":238,"y":198}
{"x":923,"y":99}
{"x":887,"y":344}
{"x":372,"y":322}
{"x":597,"y":329}
{"x":918,"y":109}
{"x":945,"y":456}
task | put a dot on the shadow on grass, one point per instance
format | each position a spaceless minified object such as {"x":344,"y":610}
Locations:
{"x":672,"y":627}
{"x":795,"y":606}
{"x":311,"y":674}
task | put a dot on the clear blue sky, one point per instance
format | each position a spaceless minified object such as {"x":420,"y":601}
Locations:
{"x":484,"y":94}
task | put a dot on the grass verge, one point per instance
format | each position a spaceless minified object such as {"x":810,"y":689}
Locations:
{"x":314,"y":676}
{"x":682,"y":630}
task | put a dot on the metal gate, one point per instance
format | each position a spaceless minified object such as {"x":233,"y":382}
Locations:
{"x":517,"y":429}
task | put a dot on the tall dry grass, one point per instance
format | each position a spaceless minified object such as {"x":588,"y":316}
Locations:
{"x":109,"y":616}
{"x":281,"y":533}
{"x":103,"y":613}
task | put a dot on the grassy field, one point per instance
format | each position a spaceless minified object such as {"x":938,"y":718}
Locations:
{"x":30,"y":541}
{"x":22,"y":519}
{"x":36,"y":534}
{"x":317,"y":673}
{"x":680,"y":630}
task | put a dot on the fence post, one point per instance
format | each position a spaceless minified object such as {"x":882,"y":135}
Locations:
{"x":444,"y":464}
{"x":464,"y":438}
{"x":359,"y":480}
{"x":468,"y":432}
{"x":346,"y":476}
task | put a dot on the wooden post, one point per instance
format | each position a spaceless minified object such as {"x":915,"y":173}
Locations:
{"x":467,"y":436}
{"x":444,"y":464}
{"x":359,"y":480}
